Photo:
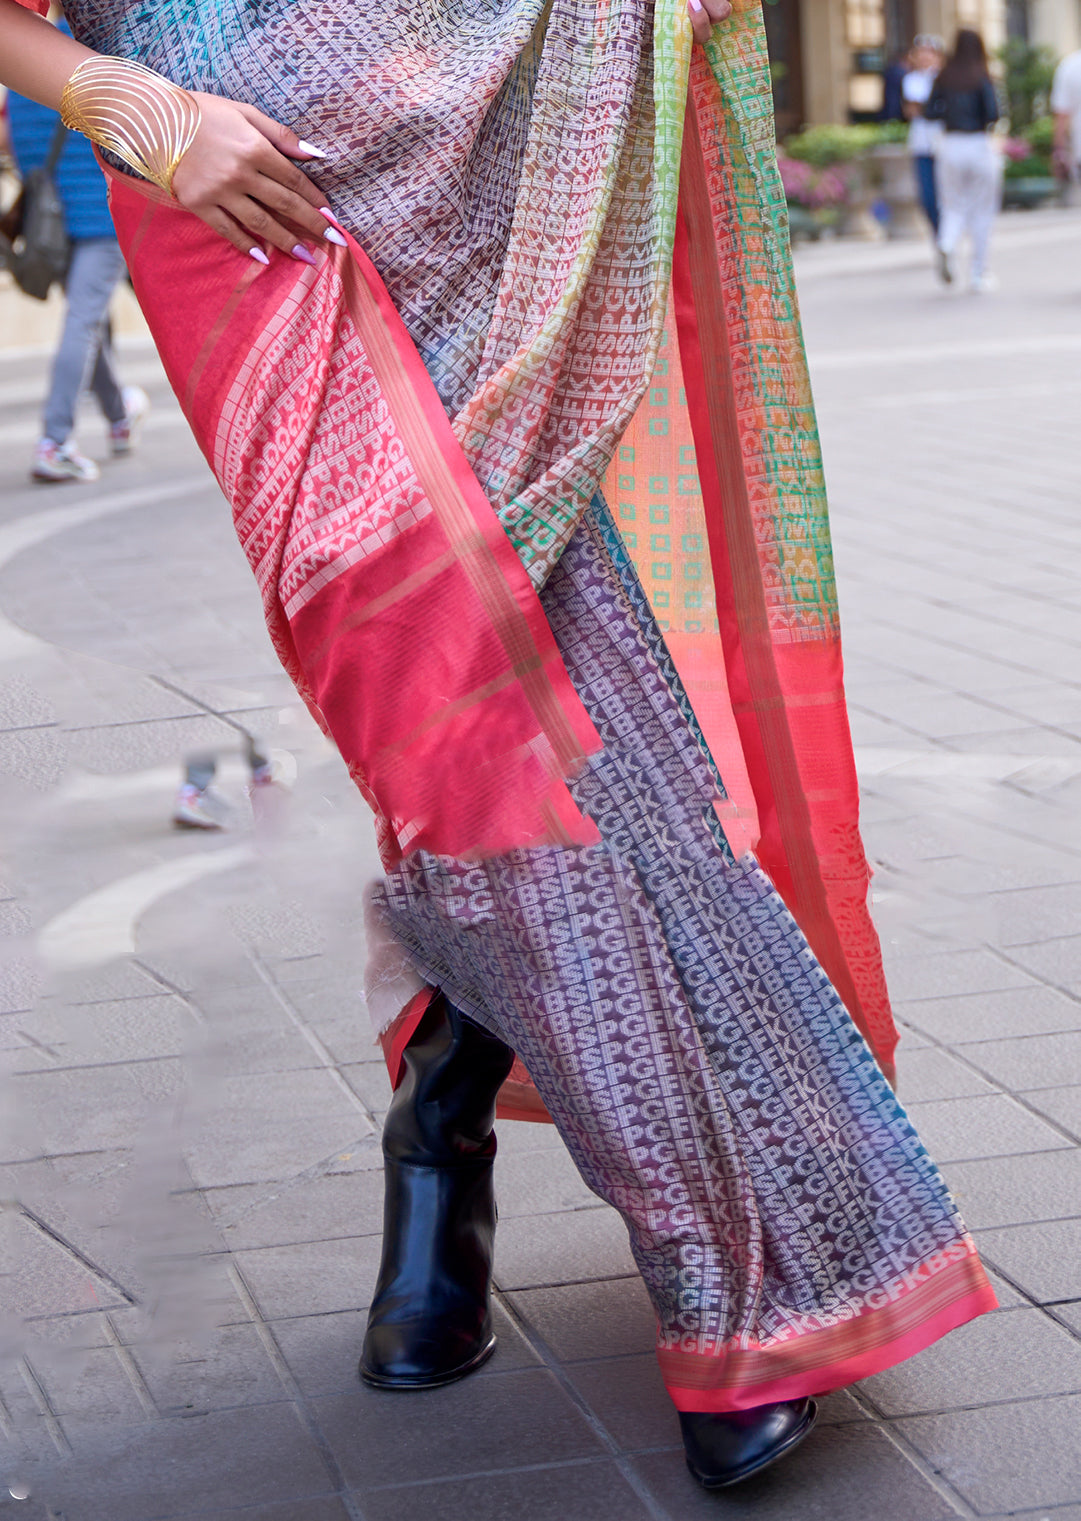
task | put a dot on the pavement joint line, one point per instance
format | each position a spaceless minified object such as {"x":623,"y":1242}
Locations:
{"x":58,"y":1239}
{"x":131,"y":1368}
{"x":322,"y":1051}
{"x":45,"y":1409}
{"x":299,"y":1401}
{"x":931,"y":1475}
{"x":554,"y":1466}
{"x":197,"y":702}
{"x":547,"y":1357}
{"x":1047,"y":982}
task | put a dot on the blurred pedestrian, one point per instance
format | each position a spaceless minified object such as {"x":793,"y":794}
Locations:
{"x":893,"y":78}
{"x":968,"y":168}
{"x":84,"y":356}
{"x":927,"y":56}
{"x":1066,"y":106}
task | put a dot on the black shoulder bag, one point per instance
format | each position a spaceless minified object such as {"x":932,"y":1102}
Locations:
{"x":34,"y":242}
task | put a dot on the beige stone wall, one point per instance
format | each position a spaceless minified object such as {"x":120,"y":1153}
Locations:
{"x":826,"y":51}
{"x":1056,"y":23}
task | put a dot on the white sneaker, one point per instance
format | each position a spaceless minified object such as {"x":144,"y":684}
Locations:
{"x":982,"y":285}
{"x":55,"y":462}
{"x":197,"y":808}
{"x":124,"y":435}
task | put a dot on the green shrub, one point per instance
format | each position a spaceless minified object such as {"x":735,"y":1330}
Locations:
{"x":822,"y":147}
{"x":1029,"y":70}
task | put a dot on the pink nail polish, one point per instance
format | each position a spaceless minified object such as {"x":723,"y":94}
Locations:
{"x":325,"y":211}
{"x":332,"y":235}
{"x":305,"y":255}
{"x":310,"y":149}
{"x":696,"y":6}
{"x":258,"y":255}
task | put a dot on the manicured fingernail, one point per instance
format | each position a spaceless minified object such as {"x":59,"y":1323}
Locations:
{"x":332,"y":235}
{"x":325,"y":211}
{"x":310,"y":149}
{"x":696,"y":6}
{"x":258,"y":255}
{"x":305,"y":255}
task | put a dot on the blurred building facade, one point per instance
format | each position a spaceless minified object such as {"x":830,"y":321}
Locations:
{"x":828,"y":56}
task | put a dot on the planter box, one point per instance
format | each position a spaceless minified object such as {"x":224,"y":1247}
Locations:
{"x":1028,"y":192}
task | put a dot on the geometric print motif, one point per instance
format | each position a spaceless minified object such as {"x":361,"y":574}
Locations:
{"x":701,"y":1068}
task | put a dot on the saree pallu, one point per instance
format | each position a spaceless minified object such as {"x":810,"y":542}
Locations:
{"x":568,"y":269}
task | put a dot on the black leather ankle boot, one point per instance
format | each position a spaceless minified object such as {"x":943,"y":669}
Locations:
{"x":723,"y":1449}
{"x":430,"y":1321}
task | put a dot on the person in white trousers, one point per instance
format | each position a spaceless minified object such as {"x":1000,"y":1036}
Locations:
{"x":969,"y":169}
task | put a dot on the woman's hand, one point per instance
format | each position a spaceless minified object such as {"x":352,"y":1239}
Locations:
{"x":705,"y":14}
{"x":242,"y":177}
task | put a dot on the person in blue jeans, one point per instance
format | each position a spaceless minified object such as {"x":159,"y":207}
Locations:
{"x":84,"y":358}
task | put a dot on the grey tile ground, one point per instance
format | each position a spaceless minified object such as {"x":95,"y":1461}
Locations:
{"x":192,"y":1135}
{"x":1012,"y":1456}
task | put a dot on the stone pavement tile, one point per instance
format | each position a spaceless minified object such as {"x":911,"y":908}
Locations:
{"x":266,"y":1126}
{"x":540,"y":1183}
{"x":1044,"y":1259}
{"x":94,"y":1108}
{"x":590,"y":1491}
{"x":101,"y":984}
{"x":1008,"y":1457}
{"x":92,"y":1384}
{"x":311,"y":1508}
{"x":1007,"y":1295}
{"x":38,"y":758}
{"x":1060,"y":1104}
{"x":930,"y":1073}
{"x":1032,"y":1010}
{"x":991,"y":1125}
{"x":589,"y":1320}
{"x":1070,"y":1314}
{"x":997,"y":1357}
{"x":628,"y":1397}
{"x":482,"y":1424}
{"x":943,"y":975}
{"x":569,"y":1247}
{"x":215,"y":1462}
{"x":987,"y":870}
{"x":1039,"y":913}
{"x":1057,"y":960}
{"x":1030,"y":1061}
{"x":99,"y":1033}
{"x":322,"y":1208}
{"x":840,"y":1473}
{"x":1042,"y":1185}
{"x":136,"y":747}
{"x":79,"y":1330}
{"x":221,"y":1367}
{"x":313,"y":1278}
{"x":371,"y":1084}
{"x":322,"y":1351}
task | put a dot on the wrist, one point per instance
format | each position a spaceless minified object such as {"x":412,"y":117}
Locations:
{"x":139,"y":116}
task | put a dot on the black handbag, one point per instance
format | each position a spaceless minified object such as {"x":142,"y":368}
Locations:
{"x":34,"y":242}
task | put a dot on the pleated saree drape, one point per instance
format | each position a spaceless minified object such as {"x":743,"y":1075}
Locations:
{"x":530,"y":481}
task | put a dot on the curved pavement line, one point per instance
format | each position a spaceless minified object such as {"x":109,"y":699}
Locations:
{"x":101,"y":926}
{"x":23,"y":533}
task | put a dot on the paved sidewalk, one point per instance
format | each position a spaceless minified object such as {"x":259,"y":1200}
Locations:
{"x":193,"y":1100}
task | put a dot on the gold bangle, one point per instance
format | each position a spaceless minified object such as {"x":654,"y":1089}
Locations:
{"x":144,"y":119}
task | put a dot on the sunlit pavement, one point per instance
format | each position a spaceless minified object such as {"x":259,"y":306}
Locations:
{"x":193,"y":1099}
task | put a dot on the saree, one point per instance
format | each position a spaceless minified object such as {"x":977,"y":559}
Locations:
{"x":529,"y":479}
